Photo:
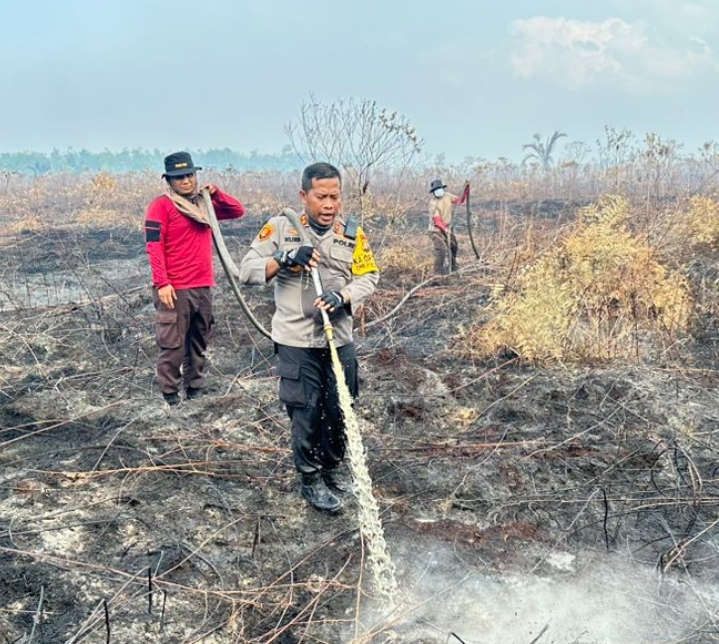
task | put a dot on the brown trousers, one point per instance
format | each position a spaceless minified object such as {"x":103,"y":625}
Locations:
{"x":439,"y":240}
{"x":183,"y":335}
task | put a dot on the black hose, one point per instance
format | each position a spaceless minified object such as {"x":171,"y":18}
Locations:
{"x":469,"y":223}
{"x":295,"y":221}
{"x":228,"y":265}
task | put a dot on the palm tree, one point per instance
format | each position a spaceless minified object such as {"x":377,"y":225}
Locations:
{"x":542,"y":151}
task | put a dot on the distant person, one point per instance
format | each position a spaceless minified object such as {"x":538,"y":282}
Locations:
{"x":179,"y":244}
{"x":338,"y":248}
{"x":441,"y":210}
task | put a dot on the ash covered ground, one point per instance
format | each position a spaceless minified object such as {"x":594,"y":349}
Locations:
{"x":521,"y":504}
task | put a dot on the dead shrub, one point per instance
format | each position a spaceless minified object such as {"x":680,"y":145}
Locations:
{"x":693,"y":241}
{"x":702,"y":222}
{"x":599,"y":294}
{"x":405,"y":262}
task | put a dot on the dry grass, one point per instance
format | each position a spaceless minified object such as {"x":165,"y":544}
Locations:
{"x":701,"y":222}
{"x":596,"y":295}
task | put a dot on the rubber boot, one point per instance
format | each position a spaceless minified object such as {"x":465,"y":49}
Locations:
{"x":317,"y":494}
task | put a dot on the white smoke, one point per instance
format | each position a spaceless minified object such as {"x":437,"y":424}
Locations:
{"x":605,"y":601}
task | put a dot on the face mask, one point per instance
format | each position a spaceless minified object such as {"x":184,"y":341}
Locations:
{"x":439,"y":192}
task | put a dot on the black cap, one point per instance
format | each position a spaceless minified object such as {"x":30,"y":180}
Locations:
{"x":178,"y":164}
{"x":436,"y":185}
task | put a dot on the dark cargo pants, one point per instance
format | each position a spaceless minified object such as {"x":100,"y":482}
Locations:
{"x":183,"y":335}
{"x":439,"y":240}
{"x":309,"y":391}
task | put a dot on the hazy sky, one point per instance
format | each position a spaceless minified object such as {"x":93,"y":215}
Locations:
{"x":475,"y":77}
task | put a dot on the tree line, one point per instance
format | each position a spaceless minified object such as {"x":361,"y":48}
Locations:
{"x":140,"y":160}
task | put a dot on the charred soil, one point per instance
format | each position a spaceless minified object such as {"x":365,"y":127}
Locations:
{"x":125,"y":520}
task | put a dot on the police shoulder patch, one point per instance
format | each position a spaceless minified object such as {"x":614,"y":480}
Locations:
{"x":266,"y":232}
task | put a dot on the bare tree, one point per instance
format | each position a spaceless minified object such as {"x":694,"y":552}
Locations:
{"x":617,"y":153}
{"x":541,"y":151}
{"x":359,"y":137}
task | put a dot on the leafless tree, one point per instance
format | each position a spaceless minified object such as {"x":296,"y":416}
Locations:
{"x":359,"y":137}
{"x":617,"y":152}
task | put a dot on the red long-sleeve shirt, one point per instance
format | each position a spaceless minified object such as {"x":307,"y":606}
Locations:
{"x":180,"y":248}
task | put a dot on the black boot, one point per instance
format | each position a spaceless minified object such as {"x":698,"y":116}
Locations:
{"x":172,"y":399}
{"x":335,"y":481}
{"x":317,"y":493}
{"x":193,"y":394}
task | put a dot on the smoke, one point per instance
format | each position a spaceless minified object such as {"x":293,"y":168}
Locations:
{"x":608,"y":601}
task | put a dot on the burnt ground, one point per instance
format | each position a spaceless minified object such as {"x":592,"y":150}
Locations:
{"x":520,"y":504}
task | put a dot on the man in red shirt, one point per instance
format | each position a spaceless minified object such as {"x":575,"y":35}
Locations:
{"x":179,"y":244}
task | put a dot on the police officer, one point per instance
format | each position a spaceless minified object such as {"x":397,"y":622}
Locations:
{"x":338,"y":248}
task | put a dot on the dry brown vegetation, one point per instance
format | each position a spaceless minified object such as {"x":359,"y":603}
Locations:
{"x":544,"y":420}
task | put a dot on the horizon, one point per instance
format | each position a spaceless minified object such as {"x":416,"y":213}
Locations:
{"x":588,"y":151}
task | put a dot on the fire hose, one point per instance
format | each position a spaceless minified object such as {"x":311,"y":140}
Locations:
{"x":450,"y":232}
{"x":233,"y":272}
{"x":470,"y":232}
{"x":380,"y":563}
{"x":469,"y":222}
{"x":228,"y":265}
{"x":295,"y":221}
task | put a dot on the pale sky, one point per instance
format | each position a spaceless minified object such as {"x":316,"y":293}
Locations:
{"x":475,"y":77}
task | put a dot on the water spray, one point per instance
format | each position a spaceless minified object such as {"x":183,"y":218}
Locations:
{"x":379,"y":562}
